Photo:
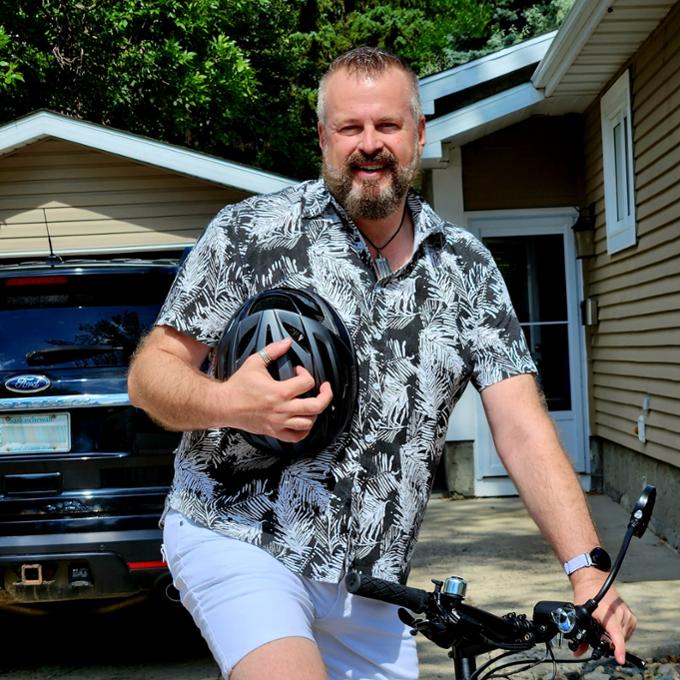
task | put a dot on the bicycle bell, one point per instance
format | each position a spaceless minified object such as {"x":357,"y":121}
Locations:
{"x":455,"y":586}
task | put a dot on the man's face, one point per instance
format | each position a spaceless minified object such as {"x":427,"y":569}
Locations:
{"x":370,"y":141}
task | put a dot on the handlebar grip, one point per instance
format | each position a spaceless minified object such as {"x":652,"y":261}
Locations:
{"x":414,"y":599}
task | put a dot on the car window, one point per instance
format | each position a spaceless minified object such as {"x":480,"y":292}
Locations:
{"x":80,"y":321}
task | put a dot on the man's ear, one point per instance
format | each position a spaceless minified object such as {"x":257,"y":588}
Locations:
{"x":320,"y":132}
{"x":421,"y":133}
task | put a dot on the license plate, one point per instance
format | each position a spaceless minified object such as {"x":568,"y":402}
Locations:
{"x":35,"y":433}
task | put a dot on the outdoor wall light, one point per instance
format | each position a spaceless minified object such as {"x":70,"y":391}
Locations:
{"x":584,"y":232}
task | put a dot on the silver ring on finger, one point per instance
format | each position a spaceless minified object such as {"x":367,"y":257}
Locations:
{"x":265,"y":356}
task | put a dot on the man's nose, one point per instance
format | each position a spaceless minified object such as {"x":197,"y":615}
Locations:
{"x":370,"y":142}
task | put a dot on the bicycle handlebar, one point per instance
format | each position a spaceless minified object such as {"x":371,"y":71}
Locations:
{"x":471,"y":631}
{"x":415,"y":599}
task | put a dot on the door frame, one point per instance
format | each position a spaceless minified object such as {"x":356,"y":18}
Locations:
{"x":490,"y":477}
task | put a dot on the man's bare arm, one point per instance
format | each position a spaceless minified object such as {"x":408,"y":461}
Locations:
{"x":165,"y":381}
{"x":529,"y":447}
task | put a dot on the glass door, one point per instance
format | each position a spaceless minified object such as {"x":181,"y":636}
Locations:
{"x":533,"y":269}
{"x":535,"y":254}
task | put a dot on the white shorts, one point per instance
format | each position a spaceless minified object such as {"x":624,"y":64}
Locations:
{"x":232,"y":589}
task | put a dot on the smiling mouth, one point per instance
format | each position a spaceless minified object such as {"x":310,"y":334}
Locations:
{"x":369,"y":169}
{"x":366,"y":167}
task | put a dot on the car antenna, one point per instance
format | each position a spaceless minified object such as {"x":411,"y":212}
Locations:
{"x":52,"y":258}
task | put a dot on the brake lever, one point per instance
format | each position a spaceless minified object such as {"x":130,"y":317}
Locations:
{"x":434,"y":631}
{"x":604,"y":648}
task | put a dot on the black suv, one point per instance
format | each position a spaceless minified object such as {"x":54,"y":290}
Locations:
{"x":83,"y":475}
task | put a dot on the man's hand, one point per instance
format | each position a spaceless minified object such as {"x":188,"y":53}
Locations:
{"x":262,"y":405}
{"x":612,"y":613}
{"x":166,"y":381}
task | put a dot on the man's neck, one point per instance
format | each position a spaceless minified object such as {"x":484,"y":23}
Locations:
{"x":379,"y":230}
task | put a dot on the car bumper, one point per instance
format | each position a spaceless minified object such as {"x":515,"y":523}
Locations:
{"x":40,"y":568}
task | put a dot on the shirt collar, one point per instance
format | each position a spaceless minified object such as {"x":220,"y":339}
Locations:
{"x":316,"y":199}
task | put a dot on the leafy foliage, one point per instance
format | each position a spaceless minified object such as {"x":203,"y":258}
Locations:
{"x":236,"y":78}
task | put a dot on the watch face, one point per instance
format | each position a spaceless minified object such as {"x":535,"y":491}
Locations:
{"x":601,"y":559}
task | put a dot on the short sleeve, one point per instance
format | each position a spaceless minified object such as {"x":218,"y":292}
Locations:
{"x":210,"y":286}
{"x":498,"y":344}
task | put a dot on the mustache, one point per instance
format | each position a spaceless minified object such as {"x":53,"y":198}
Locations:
{"x":383,"y":157}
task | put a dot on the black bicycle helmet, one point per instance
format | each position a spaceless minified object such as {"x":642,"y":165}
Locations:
{"x":321,"y":344}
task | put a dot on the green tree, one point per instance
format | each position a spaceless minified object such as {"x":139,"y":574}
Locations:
{"x":235,"y":78}
{"x":189,"y":72}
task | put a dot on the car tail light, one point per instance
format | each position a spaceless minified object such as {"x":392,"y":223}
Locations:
{"x":37,"y":281}
{"x":153,"y":564}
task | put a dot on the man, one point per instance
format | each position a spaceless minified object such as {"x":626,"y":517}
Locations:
{"x":258,"y":547}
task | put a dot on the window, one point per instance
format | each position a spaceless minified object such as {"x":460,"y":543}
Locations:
{"x":82,"y":320}
{"x":617,"y":151}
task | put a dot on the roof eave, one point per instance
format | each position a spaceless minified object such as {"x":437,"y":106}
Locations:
{"x":471,"y":121}
{"x":579,"y":25}
{"x":42,"y":124}
{"x":487,"y":68}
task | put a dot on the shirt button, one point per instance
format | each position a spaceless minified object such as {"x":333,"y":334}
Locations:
{"x":370,"y":438}
{"x":376,"y":386}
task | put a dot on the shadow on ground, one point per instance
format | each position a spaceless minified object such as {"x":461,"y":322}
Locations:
{"x":144,"y":640}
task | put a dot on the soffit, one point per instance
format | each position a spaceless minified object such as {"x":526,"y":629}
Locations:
{"x":596,"y":41}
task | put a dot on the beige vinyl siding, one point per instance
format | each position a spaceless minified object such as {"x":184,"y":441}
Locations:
{"x":504,"y":169}
{"x":635,"y":347}
{"x":93,"y":201}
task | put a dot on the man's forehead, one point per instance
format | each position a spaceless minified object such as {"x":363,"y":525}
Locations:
{"x":348,"y":89}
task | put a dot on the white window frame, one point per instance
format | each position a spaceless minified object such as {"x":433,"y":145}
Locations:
{"x":617,"y":164}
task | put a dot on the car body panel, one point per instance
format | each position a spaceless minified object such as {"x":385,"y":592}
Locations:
{"x":83,"y":474}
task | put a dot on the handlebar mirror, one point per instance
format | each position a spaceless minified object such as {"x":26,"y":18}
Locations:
{"x":642,"y":511}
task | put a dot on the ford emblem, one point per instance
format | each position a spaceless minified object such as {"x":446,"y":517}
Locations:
{"x":28,"y":384}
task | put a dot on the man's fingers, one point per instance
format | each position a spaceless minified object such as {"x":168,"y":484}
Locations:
{"x":300,"y":423}
{"x":619,"y":623}
{"x":270,"y":352}
{"x":292,"y":436}
{"x":312,"y":406}
{"x":298,"y":384}
{"x":581,"y":649}
{"x":277,"y":349}
{"x":619,"y":645}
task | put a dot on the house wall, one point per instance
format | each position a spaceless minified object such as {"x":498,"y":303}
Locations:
{"x":95,"y":201}
{"x":504,"y":169}
{"x":635,"y":346}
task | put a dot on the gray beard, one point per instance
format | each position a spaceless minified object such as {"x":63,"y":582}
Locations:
{"x":369,"y":201}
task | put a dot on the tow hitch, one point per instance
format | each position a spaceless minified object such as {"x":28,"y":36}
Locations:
{"x":31,"y":575}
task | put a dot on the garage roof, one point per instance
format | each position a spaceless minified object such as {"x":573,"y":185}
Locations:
{"x":43,"y":124}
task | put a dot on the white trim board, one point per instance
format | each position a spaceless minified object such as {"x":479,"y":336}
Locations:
{"x":482,"y":70}
{"x":44,"y":124}
{"x":579,"y":24}
{"x":475,"y":116}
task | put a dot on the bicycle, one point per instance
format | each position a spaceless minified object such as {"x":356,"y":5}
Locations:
{"x":469,"y":632}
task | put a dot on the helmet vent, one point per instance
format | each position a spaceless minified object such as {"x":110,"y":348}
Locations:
{"x":244,"y":341}
{"x":294,"y":333}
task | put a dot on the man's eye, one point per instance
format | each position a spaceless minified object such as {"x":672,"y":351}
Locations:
{"x":349,"y":130}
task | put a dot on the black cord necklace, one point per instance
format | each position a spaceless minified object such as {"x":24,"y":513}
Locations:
{"x":382,"y":266}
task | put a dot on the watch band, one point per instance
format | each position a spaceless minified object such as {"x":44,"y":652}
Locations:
{"x":576,"y":563}
{"x":598,"y":558}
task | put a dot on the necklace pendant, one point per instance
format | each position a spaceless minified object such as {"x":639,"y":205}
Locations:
{"x":382,"y":266}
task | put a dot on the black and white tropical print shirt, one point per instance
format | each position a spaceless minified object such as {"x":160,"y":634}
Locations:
{"x":420,"y":334}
